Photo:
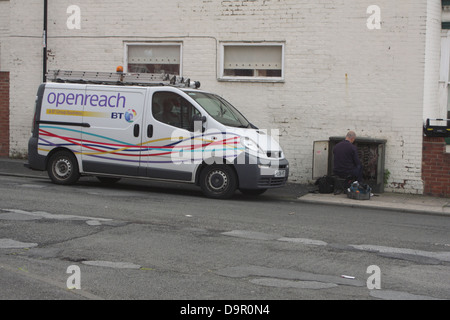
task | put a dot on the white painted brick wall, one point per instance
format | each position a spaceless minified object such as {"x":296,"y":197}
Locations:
{"x":25,"y":66}
{"x":4,"y":35}
{"x":339,"y":75}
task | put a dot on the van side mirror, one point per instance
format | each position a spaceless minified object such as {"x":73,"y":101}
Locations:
{"x":198,"y":117}
{"x":197,"y":122}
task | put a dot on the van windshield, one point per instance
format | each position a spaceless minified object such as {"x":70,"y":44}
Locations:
{"x":220,"y":109}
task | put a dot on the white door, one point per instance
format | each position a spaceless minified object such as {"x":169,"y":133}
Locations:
{"x":112,"y":139}
{"x":61,"y":118}
{"x":172,"y":148}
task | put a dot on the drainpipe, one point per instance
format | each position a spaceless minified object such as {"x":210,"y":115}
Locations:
{"x":44,"y":53}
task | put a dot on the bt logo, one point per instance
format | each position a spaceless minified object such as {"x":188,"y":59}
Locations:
{"x":129,"y":116}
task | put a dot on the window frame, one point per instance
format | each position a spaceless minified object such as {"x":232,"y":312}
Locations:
{"x":132,"y":44}
{"x":223,"y":77}
{"x":444,"y":78}
{"x":184,"y":105}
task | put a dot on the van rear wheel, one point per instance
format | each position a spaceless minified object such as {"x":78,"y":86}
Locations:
{"x":218,"y":181}
{"x":63,"y":168}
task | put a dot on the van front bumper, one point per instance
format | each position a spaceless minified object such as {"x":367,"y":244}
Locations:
{"x":255,"y":173}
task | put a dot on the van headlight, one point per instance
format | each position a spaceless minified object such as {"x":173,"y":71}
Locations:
{"x":248,"y":143}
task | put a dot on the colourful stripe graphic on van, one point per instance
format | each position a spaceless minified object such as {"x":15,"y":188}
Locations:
{"x":112,"y":149}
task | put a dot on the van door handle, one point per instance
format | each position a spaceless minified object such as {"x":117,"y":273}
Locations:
{"x":136,"y":130}
{"x":150,"y":131}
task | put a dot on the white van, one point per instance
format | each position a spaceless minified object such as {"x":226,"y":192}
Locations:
{"x":155,"y":130}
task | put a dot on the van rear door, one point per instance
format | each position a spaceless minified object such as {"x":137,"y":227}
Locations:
{"x":112,"y":142}
{"x":60,"y":120}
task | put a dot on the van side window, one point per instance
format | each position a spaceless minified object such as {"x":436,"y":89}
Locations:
{"x":172,"y":109}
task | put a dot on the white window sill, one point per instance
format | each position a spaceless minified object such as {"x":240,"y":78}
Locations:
{"x":251,"y":79}
{"x":447,"y":149}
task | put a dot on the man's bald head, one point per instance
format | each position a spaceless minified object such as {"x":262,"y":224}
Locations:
{"x":351,"y":136}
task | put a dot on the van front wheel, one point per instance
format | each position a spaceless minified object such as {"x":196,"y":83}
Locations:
{"x":218,"y":181}
{"x":63,"y":168}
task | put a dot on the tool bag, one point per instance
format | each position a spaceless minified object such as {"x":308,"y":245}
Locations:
{"x":359,"y":191}
{"x":325,"y":184}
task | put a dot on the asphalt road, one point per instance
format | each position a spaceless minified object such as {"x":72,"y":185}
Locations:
{"x":146,"y":240}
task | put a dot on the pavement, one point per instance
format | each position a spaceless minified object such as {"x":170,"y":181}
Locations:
{"x":301,"y":193}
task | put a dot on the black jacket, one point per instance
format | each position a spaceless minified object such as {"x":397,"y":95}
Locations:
{"x":345,"y":158}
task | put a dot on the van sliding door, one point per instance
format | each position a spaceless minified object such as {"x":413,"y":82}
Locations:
{"x":112,"y":142}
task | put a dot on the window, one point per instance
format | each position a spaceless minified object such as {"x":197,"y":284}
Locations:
{"x":153,"y":58}
{"x":220,"y":109}
{"x":172,"y":109}
{"x":444,"y":83}
{"x":252,"y":62}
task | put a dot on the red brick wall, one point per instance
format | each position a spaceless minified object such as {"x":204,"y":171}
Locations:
{"x":4,"y":114}
{"x":436,"y":167}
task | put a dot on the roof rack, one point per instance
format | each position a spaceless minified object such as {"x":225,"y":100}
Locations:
{"x":120,"y":78}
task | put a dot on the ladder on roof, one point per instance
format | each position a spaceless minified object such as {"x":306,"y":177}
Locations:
{"x":120,"y":78}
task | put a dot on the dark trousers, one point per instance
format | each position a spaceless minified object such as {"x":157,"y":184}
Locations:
{"x":356,"y":173}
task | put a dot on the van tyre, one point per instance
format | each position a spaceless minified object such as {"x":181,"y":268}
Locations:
{"x":63,"y":168}
{"x":218,"y":181}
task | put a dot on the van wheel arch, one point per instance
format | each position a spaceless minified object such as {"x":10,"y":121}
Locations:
{"x":218,"y":181}
{"x":51,"y":153}
{"x":206,"y":164}
{"x":62,"y":166}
